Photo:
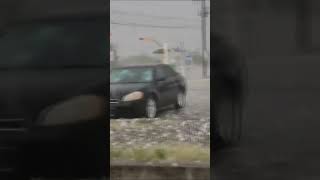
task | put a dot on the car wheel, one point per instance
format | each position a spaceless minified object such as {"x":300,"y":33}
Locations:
{"x":181,"y":100}
{"x":151,"y":108}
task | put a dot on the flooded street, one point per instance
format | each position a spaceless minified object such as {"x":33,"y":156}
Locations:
{"x":198,"y":98}
{"x":198,"y":103}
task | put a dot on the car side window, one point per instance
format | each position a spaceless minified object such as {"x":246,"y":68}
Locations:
{"x":169,"y":71}
{"x":160,"y":73}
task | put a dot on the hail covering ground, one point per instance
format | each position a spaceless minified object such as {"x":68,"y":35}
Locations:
{"x":190,"y":125}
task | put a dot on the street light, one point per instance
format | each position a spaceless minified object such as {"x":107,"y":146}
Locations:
{"x":152,"y":40}
{"x":164,"y":50}
{"x":161,"y":50}
{"x":161,"y":45}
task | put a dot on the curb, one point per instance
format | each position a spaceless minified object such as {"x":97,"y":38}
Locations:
{"x":139,"y":171}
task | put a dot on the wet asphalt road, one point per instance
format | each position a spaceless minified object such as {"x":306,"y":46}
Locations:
{"x":198,"y":103}
{"x":281,"y":139}
{"x":198,"y":98}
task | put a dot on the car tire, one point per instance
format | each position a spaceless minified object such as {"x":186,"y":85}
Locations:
{"x":180,"y":100}
{"x":150,"y":108}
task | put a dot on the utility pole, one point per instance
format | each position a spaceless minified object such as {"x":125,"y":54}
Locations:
{"x":165,"y":54}
{"x":204,"y":14}
{"x":182,"y":60}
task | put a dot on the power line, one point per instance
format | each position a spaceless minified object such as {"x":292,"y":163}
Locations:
{"x":150,"y":20}
{"x":152,"y":16}
{"x":152,"y":26}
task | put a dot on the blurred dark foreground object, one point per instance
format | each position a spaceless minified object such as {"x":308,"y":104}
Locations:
{"x":30,"y":10}
{"x":230,"y":89}
{"x":68,"y":140}
{"x":53,"y":73}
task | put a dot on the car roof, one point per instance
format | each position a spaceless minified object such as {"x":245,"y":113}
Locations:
{"x":140,"y":66}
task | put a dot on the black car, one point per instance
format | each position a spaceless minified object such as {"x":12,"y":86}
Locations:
{"x":144,"y":90}
{"x":53,"y":87}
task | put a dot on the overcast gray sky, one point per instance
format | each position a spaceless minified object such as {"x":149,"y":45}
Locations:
{"x":179,"y":21}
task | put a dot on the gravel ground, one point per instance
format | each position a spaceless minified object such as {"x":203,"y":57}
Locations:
{"x":146,"y":133}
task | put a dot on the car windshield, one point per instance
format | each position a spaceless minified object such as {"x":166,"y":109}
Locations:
{"x":54,"y":45}
{"x":131,"y":75}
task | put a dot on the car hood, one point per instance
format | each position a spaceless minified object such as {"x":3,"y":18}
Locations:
{"x":118,"y":90}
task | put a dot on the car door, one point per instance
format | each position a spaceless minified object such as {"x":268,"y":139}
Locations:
{"x":173,"y":83}
{"x":162,"y":87}
{"x":165,"y":85}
